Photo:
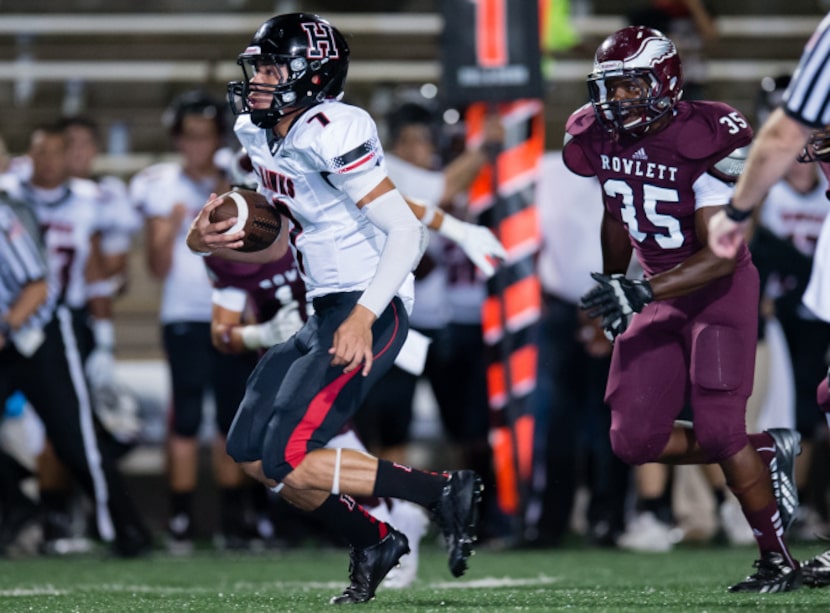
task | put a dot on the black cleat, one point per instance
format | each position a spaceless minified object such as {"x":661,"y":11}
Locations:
{"x":456,"y":512}
{"x":132,"y":541}
{"x":816,"y":571}
{"x":368,"y":567}
{"x":773,"y":575}
{"x":782,"y":472}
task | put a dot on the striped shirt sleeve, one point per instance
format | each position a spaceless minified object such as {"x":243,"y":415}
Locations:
{"x":20,"y":251}
{"x":22,"y":262}
{"x":807,"y":99}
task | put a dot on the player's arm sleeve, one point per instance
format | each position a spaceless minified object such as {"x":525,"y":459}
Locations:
{"x":710,"y":191}
{"x":401,"y":252}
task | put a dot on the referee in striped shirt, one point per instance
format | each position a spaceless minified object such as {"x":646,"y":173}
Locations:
{"x":805,"y":111}
{"x":35,"y":360}
{"x":783,"y":136}
{"x":26,"y":302}
{"x":26,"y":306}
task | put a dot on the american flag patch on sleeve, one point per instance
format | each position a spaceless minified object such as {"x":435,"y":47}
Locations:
{"x":357,"y":157}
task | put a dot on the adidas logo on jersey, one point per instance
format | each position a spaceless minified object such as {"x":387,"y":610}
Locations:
{"x":640,"y":154}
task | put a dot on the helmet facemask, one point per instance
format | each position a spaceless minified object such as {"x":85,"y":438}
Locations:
{"x":633,"y":116}
{"x":817,"y":148}
{"x":300,"y":83}
{"x":280,"y":79}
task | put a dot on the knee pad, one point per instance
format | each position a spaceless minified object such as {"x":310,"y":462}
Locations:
{"x":633,"y":448}
{"x":724,"y":437}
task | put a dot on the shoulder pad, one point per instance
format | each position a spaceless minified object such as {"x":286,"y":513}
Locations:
{"x":711,"y":129}
{"x":351,"y":142}
{"x":729,"y":168}
{"x":85,"y":188}
{"x":579,"y":121}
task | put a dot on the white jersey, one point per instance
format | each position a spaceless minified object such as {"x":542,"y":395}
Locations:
{"x":120,"y":219}
{"x":69,"y":216}
{"x":794,"y":216}
{"x":330,"y":158}
{"x":186,"y":295}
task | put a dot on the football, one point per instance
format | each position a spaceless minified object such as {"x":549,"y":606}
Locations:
{"x":254,"y":214}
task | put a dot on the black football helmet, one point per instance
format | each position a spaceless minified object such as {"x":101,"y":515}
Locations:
{"x":312,"y":52}
{"x":196,"y":102}
{"x":640,"y":54}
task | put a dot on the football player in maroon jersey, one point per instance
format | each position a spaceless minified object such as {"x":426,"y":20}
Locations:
{"x":687,"y":331}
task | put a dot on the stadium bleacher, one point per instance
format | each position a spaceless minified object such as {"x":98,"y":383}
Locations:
{"x":122,"y":65}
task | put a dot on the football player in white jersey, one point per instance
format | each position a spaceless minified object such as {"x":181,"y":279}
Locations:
{"x":121,"y":219}
{"x":355,"y":240}
{"x":117,"y":222}
{"x":68,"y":211}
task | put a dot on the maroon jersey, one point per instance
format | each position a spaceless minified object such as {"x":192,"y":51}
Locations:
{"x":268,"y":286}
{"x":648,"y":182}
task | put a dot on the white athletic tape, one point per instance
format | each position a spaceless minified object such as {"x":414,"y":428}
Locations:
{"x":241,"y":212}
{"x":335,"y":485}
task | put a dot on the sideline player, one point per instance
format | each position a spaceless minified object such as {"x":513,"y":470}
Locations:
{"x":26,"y":306}
{"x":67,"y":209}
{"x":664,"y":166}
{"x":169,"y":196}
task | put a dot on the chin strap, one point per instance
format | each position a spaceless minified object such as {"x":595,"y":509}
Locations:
{"x":264,"y":119}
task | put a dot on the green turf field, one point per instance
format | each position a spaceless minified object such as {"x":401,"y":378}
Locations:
{"x":688,"y":579}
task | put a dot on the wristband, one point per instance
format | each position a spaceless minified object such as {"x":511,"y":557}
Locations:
{"x":736,"y":215}
{"x":454,"y":229}
{"x":429,"y":215}
{"x":105,"y":288}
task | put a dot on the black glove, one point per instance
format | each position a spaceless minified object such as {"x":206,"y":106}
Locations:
{"x":614,"y":299}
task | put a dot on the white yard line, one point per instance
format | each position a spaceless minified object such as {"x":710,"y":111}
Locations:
{"x":236,"y":587}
